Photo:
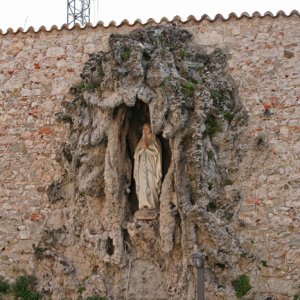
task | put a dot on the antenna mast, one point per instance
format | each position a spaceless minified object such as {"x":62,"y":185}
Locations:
{"x":78,"y":11}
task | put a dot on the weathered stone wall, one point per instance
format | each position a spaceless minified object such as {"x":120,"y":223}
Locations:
{"x":37,"y":71}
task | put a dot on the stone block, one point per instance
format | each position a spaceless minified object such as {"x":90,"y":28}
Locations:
{"x":24,"y":233}
{"x":55,"y":52}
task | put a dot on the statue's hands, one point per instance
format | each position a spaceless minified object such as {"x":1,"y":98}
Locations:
{"x":145,"y":145}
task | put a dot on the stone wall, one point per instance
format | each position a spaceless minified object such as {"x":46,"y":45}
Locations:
{"x":37,"y":71}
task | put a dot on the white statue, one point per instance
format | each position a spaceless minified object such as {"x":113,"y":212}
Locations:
{"x":147,"y":169}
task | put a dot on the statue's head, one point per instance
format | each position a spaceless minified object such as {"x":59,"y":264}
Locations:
{"x":147,"y":128}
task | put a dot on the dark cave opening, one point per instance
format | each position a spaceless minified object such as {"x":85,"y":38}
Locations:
{"x":166,"y":155}
{"x":137,"y":116}
{"x":109,"y":247}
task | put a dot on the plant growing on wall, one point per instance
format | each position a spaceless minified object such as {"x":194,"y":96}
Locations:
{"x":241,"y":285}
{"x":24,"y":288}
{"x":4,"y":286}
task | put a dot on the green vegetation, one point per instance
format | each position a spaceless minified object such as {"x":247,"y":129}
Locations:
{"x":241,"y":285}
{"x":228,"y":181}
{"x":296,"y":297}
{"x":219,"y":96}
{"x":228,"y":116}
{"x":212,"y":125}
{"x":211,"y":206}
{"x":210,"y":185}
{"x":80,"y":290}
{"x":24,"y":288}
{"x":264,"y":263}
{"x":88,"y":86}
{"x":4,"y":286}
{"x":125,"y":53}
{"x":38,"y":251}
{"x":184,"y":53}
{"x":188,"y":88}
{"x":210,"y":154}
{"x":96,"y":297}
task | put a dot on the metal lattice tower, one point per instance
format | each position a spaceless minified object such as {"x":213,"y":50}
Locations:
{"x":78,"y":11}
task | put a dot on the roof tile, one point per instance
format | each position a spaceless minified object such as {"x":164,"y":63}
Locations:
{"x":151,"y":21}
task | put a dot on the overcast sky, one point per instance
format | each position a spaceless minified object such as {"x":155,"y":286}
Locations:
{"x":25,"y":13}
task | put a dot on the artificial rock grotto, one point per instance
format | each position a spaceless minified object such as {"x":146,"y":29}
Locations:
{"x":92,"y":242}
{"x":158,"y":76}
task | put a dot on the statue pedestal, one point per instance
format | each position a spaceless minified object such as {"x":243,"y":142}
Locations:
{"x":146,"y":214}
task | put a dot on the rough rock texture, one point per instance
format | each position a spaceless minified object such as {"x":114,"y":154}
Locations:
{"x":158,"y":75}
{"x":54,"y":225}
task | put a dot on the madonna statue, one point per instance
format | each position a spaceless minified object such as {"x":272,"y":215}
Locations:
{"x":147,"y":169}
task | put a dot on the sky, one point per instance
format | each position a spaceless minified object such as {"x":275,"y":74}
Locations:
{"x":25,"y":13}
